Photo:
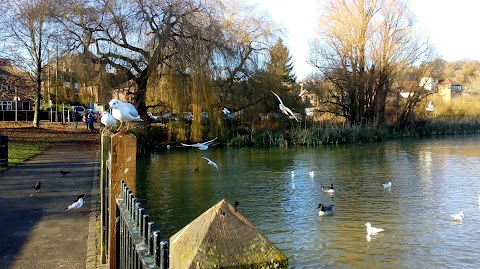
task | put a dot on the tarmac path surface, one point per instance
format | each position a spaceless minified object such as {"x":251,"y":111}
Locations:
{"x":36,"y":230}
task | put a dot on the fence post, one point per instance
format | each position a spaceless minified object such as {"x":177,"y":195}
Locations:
{"x":123,"y":167}
{"x":104,"y":180}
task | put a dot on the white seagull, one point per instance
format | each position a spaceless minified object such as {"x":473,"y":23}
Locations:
{"x":226,"y":111}
{"x":387,"y":185}
{"x":312,"y":174}
{"x":326,"y":210}
{"x":108,"y":120}
{"x":430,"y":107}
{"x":210,"y":162}
{"x":287,"y":111}
{"x":78,"y":203}
{"x":458,"y":216}
{"x":124,"y":112}
{"x":200,"y":146}
{"x":373,"y":230}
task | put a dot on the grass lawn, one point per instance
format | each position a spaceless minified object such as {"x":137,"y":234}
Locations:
{"x":19,"y":151}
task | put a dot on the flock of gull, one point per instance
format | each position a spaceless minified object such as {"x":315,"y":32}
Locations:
{"x":326,"y":210}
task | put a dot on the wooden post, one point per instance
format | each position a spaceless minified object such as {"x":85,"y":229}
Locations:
{"x":104,"y":180}
{"x":222,"y":236}
{"x":123,"y":167}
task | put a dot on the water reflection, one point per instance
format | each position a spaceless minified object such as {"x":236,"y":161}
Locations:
{"x":430,"y":180}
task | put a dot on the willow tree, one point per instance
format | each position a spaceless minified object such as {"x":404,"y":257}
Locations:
{"x":146,"y":39}
{"x":27,"y":31}
{"x":363,"y":47}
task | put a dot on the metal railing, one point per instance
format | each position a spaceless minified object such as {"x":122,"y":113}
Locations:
{"x":138,"y":244}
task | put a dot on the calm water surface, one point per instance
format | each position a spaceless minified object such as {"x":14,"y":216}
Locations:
{"x":430,"y":179}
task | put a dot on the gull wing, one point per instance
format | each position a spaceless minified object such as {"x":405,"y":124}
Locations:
{"x":281,"y":102}
{"x":206,"y":159}
{"x":207,"y":143}
{"x":188,"y":145}
{"x":291,"y":113}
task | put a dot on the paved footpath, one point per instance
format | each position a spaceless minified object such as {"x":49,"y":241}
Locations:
{"x":36,"y":230}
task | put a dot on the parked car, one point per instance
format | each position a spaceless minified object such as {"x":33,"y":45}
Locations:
{"x":79,"y":109}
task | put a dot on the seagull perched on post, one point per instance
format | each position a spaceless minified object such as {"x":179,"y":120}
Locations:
{"x":287,"y":111}
{"x":200,"y":146}
{"x":78,"y":203}
{"x":108,"y":120}
{"x":124,"y":112}
{"x":210,"y":162}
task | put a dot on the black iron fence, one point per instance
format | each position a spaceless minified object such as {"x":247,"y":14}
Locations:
{"x":138,"y":244}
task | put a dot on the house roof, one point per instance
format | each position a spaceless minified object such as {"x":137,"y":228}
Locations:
{"x":447,"y":82}
{"x":9,"y":79}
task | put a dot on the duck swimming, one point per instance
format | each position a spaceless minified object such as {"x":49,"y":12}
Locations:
{"x":326,"y":210}
{"x":328,"y":189}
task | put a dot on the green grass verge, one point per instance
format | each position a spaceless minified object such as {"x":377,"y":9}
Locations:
{"x":20,"y":151}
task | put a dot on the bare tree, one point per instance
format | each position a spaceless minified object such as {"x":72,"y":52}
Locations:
{"x":364,"y":46}
{"x":28,"y":34}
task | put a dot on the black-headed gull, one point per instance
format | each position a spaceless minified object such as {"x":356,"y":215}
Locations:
{"x":200,"y":146}
{"x":326,"y":210}
{"x":108,"y":120}
{"x":287,"y":111}
{"x":458,"y":216}
{"x":430,"y":107}
{"x":78,"y":203}
{"x":124,"y":112}
{"x":210,"y":162}
{"x":373,"y":230}
{"x":329,"y":189}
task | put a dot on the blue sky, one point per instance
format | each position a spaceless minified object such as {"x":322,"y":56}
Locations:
{"x":451,"y":25}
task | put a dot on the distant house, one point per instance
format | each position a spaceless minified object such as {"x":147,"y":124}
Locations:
{"x":15,"y":91}
{"x":448,"y":89}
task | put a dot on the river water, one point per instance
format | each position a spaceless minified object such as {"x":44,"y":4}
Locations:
{"x":431,"y":179}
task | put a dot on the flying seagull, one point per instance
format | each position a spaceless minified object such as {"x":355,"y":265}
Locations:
{"x":430,"y":107}
{"x":78,"y":203}
{"x":124,"y":112}
{"x":108,"y":120}
{"x":210,"y":162}
{"x":64,"y":172}
{"x":225,"y":111}
{"x":387,"y":185}
{"x":37,"y":186}
{"x":287,"y":111}
{"x":200,"y":146}
{"x":312,"y":174}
